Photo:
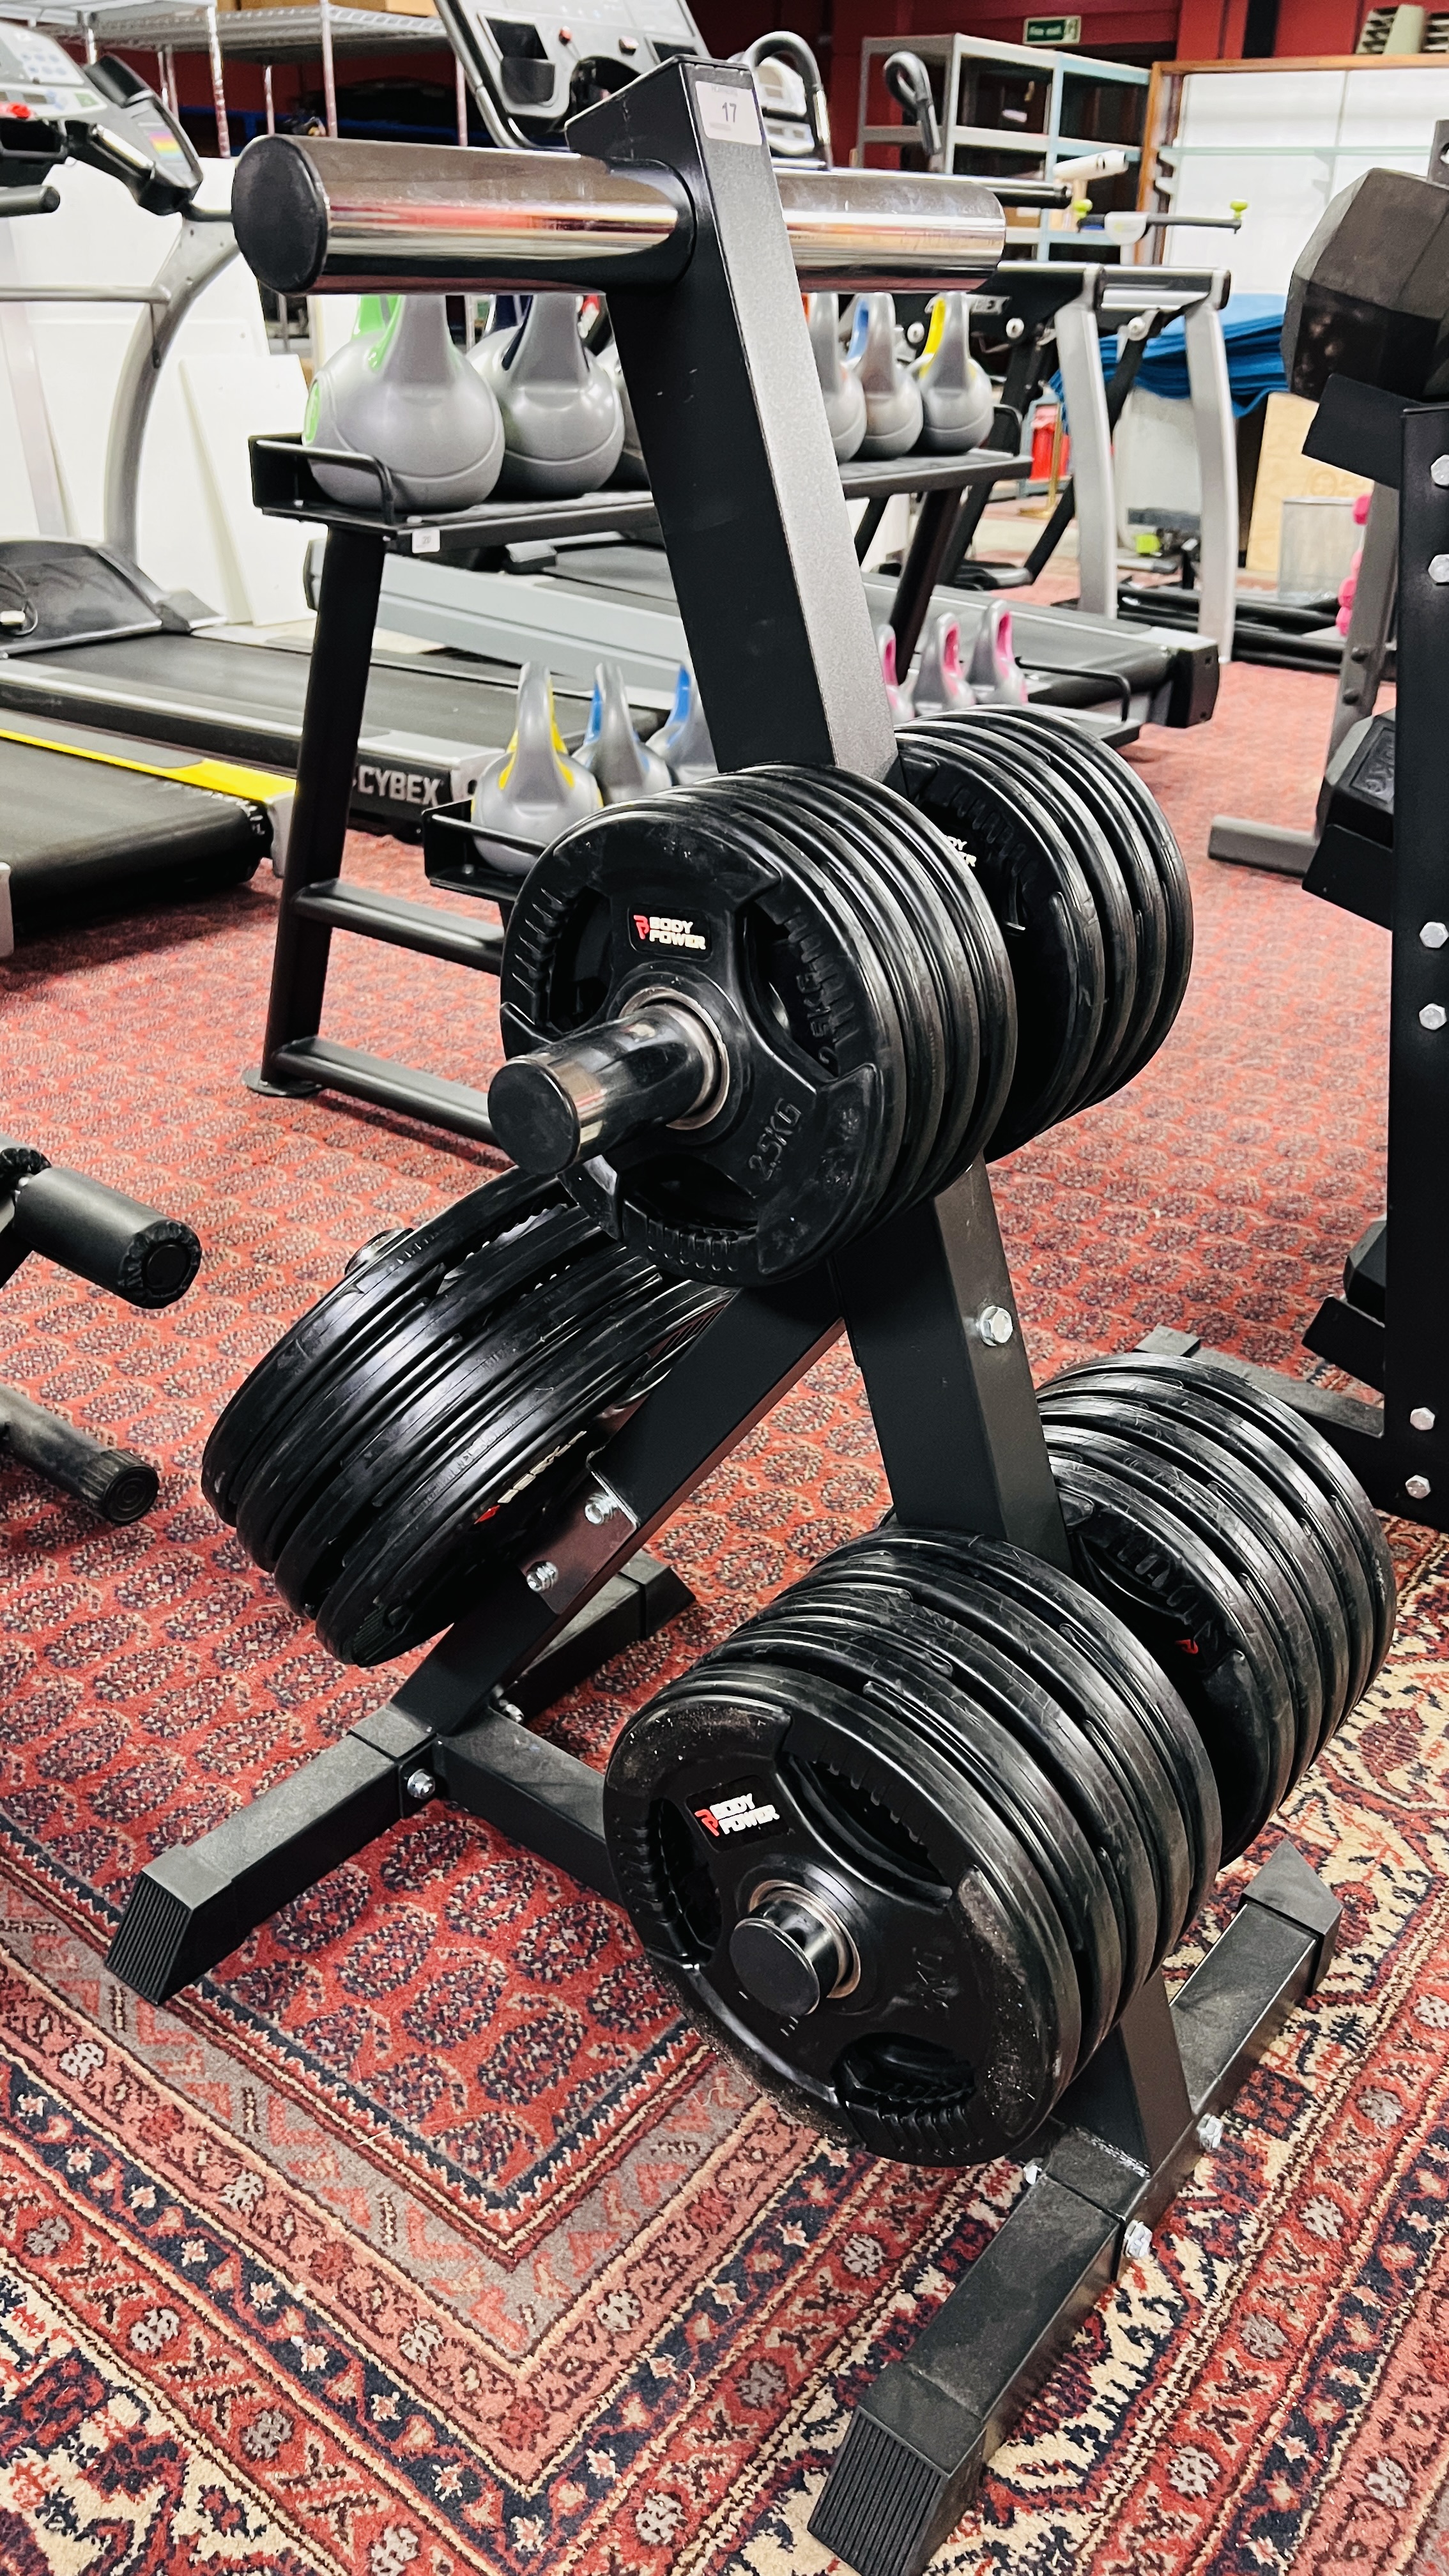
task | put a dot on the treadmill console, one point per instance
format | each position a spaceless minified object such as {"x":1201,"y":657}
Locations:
{"x":530,"y":73}
{"x":53,"y":109}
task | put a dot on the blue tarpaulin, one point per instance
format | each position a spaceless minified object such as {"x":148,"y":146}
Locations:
{"x":1252,"y":328}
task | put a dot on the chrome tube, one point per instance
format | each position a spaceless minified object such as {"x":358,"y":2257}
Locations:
{"x":416,"y":218}
{"x":857,"y":229}
{"x":314,"y":217}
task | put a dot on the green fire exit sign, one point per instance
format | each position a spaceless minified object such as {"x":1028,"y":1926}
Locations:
{"x":1051,"y":31}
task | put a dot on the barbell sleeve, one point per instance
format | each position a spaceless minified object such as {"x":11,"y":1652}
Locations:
{"x":314,"y":216}
{"x":587,"y":1094}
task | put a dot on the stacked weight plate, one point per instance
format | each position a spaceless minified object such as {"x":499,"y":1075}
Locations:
{"x":1244,"y":1555}
{"x":910,"y":1840}
{"x":852,"y":982}
{"x":1089,"y":889}
{"x":411,"y":1428}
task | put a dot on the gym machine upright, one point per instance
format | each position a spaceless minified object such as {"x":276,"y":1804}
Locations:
{"x":679,"y":215}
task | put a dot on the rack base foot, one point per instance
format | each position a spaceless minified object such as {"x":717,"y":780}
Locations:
{"x":913,"y":2455}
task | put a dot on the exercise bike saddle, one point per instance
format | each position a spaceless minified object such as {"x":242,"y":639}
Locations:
{"x":839,"y":384}
{"x":533,"y":791}
{"x":956,"y":394}
{"x":563,"y":421}
{"x":623,"y":768}
{"x":404,"y":395}
{"x":893,"y":407}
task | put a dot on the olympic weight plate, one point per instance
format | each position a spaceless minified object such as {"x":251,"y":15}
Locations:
{"x":1353,"y":1515}
{"x":830,"y":859}
{"x":937,"y":887}
{"x":930,"y":968}
{"x":962,"y":1710}
{"x":1061,"y":1631}
{"x":1121,"y":779}
{"x":373,"y":1384}
{"x":840,"y":1910}
{"x":1020,"y":758}
{"x":1241,"y":1518}
{"x":1116,"y":818}
{"x":365,"y":1303}
{"x":1292,"y":1515}
{"x":1044,"y":907}
{"x":456,"y":1485}
{"x":1053,"y":1703}
{"x":1185,"y":1604}
{"x":683,"y":897}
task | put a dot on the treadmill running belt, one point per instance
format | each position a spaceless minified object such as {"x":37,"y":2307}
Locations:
{"x":428,"y":727}
{"x":75,"y":833}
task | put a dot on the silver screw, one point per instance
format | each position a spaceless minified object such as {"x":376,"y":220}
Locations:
{"x":1439,"y":471}
{"x":1433,"y":1016}
{"x":541,"y":1577}
{"x":1137,"y":2241}
{"x":1210,"y":2131}
{"x":995,"y":1325}
{"x":420,"y":1786}
{"x":1015,"y":327}
{"x":508,"y":1708}
{"x":600,"y":1507}
{"x":1422,"y":1417}
{"x":1435,"y":934}
{"x":1439,"y":568}
{"x":1418,"y":1487}
{"x":1030,"y":2174}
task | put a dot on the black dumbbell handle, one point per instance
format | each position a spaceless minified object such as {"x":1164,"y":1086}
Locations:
{"x":585,"y":1095}
{"x":105,"y":1237}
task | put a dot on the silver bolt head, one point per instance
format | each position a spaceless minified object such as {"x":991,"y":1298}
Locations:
{"x":1030,"y":2174}
{"x":1137,"y":2241}
{"x":1433,"y":1016}
{"x":1209,"y":2131}
{"x":541,"y":1577}
{"x":1422,"y":1417}
{"x":995,"y":1325}
{"x":1418,"y":1488}
{"x":420,"y":1786}
{"x":1439,"y":472}
{"x":1439,"y":568}
{"x":1015,"y":327}
{"x":598,"y":1508}
{"x":1435,"y":934}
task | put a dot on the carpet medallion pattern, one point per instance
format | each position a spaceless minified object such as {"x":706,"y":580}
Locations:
{"x":423,"y":2238}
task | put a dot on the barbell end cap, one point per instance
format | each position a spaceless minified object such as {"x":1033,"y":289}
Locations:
{"x":534,"y":1120}
{"x":280,"y":214}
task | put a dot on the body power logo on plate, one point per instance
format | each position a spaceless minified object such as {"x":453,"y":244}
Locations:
{"x":667,"y":930}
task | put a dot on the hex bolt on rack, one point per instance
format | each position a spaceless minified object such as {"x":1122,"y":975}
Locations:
{"x":1388,"y":1331}
{"x":761,"y":551}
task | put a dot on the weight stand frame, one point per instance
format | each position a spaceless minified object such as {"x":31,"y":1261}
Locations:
{"x":1404,"y":1355}
{"x":296,"y":1061}
{"x":787,"y":664}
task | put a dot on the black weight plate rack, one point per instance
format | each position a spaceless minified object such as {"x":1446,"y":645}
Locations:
{"x":928,"y":1305}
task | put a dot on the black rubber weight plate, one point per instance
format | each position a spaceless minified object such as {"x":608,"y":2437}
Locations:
{"x":1185,"y":1604}
{"x":1043,"y":904}
{"x":1084,"y":1654}
{"x":1021,"y":759}
{"x":965,"y":1714}
{"x":1282,"y":1565}
{"x":1303,"y":1523}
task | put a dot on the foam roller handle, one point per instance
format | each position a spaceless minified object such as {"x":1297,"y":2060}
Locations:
{"x":17,"y":1162}
{"x":587,"y":1094}
{"x":103,"y":1236}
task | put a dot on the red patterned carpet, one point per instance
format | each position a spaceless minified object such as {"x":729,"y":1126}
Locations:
{"x":423,"y":2238}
